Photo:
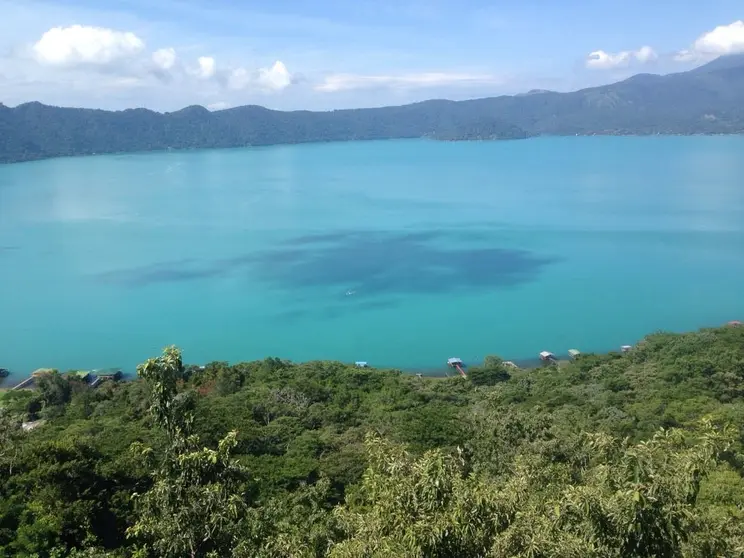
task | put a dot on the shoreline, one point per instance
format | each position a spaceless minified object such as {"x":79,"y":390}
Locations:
{"x":15,"y":378}
{"x":12,"y":380}
{"x":326,"y":142}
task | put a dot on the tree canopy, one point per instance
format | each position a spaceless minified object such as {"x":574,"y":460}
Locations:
{"x":611,"y":455}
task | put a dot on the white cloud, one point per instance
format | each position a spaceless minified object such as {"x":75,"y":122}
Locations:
{"x":646,"y":54}
{"x":165,"y":58}
{"x":347,"y":82}
{"x":275,"y":78}
{"x":220,"y":105}
{"x":601,"y":60}
{"x":119,"y":59}
{"x":207,"y":67}
{"x":724,"y":39}
{"x":686,"y":56}
{"x":124,"y":82}
{"x":80,"y":44}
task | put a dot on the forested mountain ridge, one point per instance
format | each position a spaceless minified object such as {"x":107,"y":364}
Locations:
{"x":707,"y":100}
{"x":617,"y":455}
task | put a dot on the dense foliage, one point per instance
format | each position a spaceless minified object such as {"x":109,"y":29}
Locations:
{"x":704,"y":101}
{"x":616,"y":455}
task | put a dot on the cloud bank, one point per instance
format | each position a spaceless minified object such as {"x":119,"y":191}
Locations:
{"x":120,"y":67}
{"x":601,"y":60}
{"x":724,"y":39}
{"x":164,"y":58}
{"x":86,"y":45}
{"x":349,"y":82}
{"x":124,"y":55}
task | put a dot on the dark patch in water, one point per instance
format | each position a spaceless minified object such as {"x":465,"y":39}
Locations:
{"x":362,"y":265}
{"x":319,"y":238}
{"x":379,"y":263}
{"x":335,"y":311}
{"x":291,"y":315}
{"x":378,"y":305}
{"x":346,"y":236}
{"x":167,"y":272}
{"x":331,"y":313}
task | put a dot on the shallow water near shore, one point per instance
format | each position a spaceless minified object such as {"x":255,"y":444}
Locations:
{"x":399,"y":253}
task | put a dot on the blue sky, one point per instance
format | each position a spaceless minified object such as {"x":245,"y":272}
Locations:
{"x":324,"y":54}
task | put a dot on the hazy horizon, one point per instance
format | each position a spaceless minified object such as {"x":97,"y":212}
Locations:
{"x":521,"y":93}
{"x":334,"y":55}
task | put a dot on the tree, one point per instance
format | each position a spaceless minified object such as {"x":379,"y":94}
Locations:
{"x":296,"y":525}
{"x":609,"y":499}
{"x":195,"y":505}
{"x":426,"y":506}
{"x":492,"y":372}
{"x":10,"y":435}
{"x":54,"y":390}
{"x":63,"y":497}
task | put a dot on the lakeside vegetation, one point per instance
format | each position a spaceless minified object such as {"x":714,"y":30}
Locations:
{"x":706,"y":100}
{"x":614,"y":455}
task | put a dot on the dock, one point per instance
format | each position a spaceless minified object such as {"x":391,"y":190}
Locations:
{"x":24,"y":384}
{"x":35,"y":375}
{"x":547,"y":356}
{"x":457,"y":364}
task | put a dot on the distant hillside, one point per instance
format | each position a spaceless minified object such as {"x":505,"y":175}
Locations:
{"x":707,"y":100}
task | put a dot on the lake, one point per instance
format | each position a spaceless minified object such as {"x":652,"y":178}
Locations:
{"x":400,"y":253}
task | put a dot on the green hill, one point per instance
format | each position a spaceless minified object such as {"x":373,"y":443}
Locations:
{"x":618,"y":455}
{"x":706,"y":100}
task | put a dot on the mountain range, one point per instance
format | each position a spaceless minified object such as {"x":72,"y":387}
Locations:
{"x":706,"y":100}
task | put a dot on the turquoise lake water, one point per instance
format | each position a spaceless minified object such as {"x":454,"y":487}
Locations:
{"x":400,"y":253}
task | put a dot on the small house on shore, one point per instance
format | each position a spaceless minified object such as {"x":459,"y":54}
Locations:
{"x":109,"y":373}
{"x":361,"y":364}
{"x":626,"y":348}
{"x":547,"y":356}
{"x":574,"y":353}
